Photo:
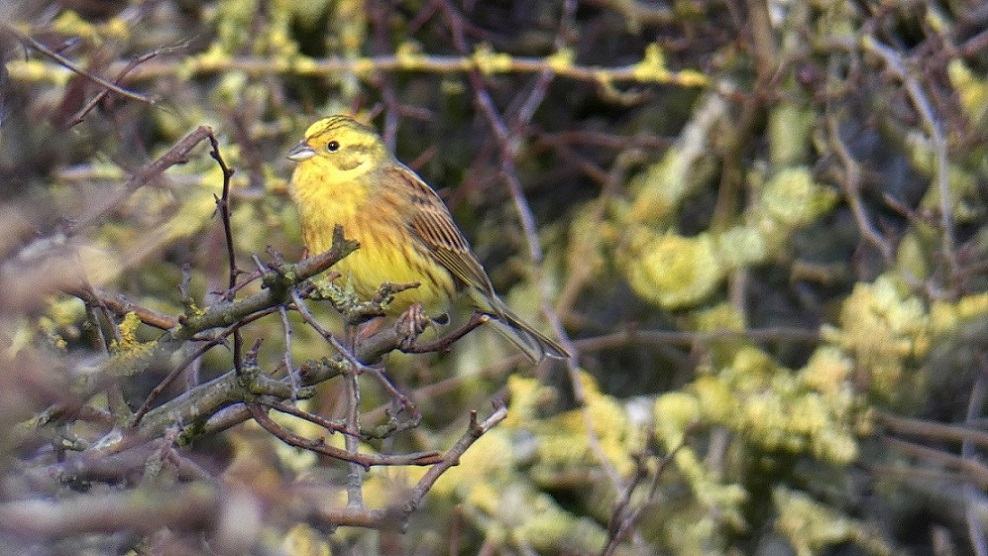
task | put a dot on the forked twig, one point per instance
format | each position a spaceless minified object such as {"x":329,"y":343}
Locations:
{"x":31,"y":42}
{"x":366,"y":461}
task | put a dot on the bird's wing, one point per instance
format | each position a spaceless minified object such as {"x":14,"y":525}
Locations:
{"x":431,"y":222}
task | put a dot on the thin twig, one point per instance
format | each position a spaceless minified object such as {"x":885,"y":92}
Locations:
{"x":69,"y":64}
{"x":310,"y":319}
{"x":287,"y":357}
{"x":355,"y":472}
{"x":283,"y":407}
{"x":395,"y":517}
{"x":223,"y":207}
{"x":118,"y":305}
{"x":190,"y":359}
{"x":622,"y":521}
{"x":929,"y":430}
{"x":365,"y":461}
{"x":443,"y":344}
{"x":452,"y":457}
{"x":851,"y":183}
{"x":974,"y":495}
{"x":176,"y":155}
{"x":934,"y":127}
{"x":974,"y":470}
{"x":103,"y":93}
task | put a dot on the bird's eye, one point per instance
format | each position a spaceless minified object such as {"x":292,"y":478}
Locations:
{"x":333,"y":146}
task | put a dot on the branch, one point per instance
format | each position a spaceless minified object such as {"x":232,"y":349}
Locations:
{"x":178,"y":154}
{"x":394,"y":517}
{"x":320,"y":447}
{"x":897,"y":65}
{"x":488,"y":62}
{"x":179,"y":507}
{"x":277,"y":285}
{"x":31,"y":42}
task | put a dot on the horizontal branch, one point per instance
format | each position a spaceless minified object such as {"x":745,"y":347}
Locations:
{"x":143,"y":509}
{"x":277,"y":285}
{"x":650,"y":70}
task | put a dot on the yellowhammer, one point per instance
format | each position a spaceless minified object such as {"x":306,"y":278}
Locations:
{"x":347,"y":176}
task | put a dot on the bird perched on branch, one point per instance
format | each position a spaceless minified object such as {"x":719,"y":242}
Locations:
{"x":347,"y":176}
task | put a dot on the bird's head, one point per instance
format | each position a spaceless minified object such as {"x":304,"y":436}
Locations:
{"x":341,"y":147}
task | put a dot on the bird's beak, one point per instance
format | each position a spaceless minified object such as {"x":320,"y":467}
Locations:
{"x":301,"y":152}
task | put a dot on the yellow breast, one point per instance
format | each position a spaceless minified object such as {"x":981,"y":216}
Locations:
{"x":388,"y":252}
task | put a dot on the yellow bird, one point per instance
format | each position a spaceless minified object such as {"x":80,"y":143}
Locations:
{"x":347,"y":176}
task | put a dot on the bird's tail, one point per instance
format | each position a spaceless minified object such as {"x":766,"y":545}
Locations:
{"x":530,"y":341}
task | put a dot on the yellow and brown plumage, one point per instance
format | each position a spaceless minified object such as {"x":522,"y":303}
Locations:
{"x":346,"y":176}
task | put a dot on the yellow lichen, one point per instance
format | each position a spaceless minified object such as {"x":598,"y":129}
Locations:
{"x":791,"y":199}
{"x":972,"y":92}
{"x":128,"y":332}
{"x":660,"y":188}
{"x":675,"y":412}
{"x":741,"y":246}
{"x":882,"y":327}
{"x":489,"y":62}
{"x":304,"y":65}
{"x":563,"y":441}
{"x":561,"y":60}
{"x":409,"y":55}
{"x":789,"y":133}
{"x":945,"y":316}
{"x":305,"y":13}
{"x":214,"y":58}
{"x":303,"y":540}
{"x":811,"y":527}
{"x":670,"y":270}
{"x":652,"y":68}
{"x":723,"y":316}
{"x":811,"y":410}
{"x":717,"y":400}
{"x":38,"y":71}
{"x":488,"y":461}
{"x":691,"y":78}
{"x":828,"y":371}
{"x":69,"y":23}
